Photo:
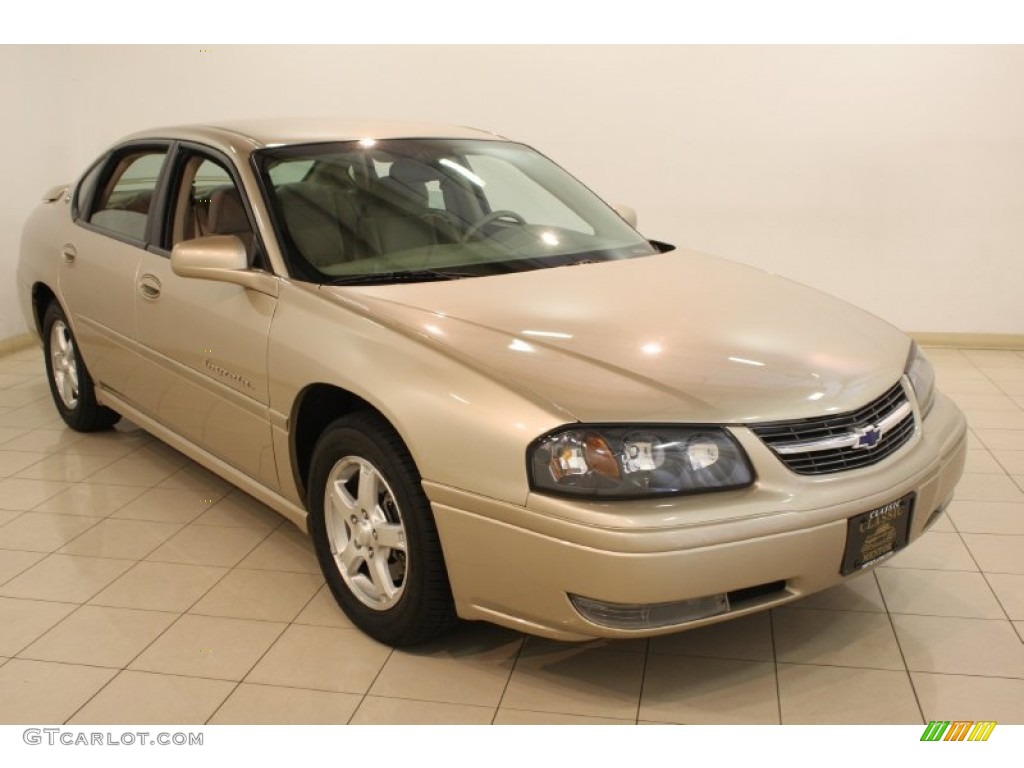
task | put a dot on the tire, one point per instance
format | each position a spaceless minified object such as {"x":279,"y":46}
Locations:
{"x":70,"y":384}
{"x":374,"y":533}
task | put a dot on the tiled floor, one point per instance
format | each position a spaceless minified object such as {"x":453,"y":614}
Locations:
{"x":135,"y":587}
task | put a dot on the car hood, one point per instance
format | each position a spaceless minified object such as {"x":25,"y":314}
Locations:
{"x":680,"y":336}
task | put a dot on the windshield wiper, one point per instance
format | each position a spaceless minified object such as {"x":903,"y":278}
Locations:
{"x":408,"y":276}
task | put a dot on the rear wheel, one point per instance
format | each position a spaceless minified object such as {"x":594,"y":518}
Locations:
{"x":70,"y":383}
{"x":374,"y":533}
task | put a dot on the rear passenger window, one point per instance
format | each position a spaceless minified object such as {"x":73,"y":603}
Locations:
{"x":125,"y":198}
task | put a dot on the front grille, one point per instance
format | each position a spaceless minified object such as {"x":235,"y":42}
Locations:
{"x":829,"y":444}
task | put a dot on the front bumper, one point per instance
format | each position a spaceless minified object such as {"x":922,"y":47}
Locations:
{"x":516,"y":566}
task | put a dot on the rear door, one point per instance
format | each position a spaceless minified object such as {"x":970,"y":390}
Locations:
{"x":98,"y":274}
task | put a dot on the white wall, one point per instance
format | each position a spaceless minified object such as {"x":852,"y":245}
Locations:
{"x":34,"y":152}
{"x":890,"y":176}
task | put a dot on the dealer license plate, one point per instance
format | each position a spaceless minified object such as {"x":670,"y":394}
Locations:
{"x":877,"y":534}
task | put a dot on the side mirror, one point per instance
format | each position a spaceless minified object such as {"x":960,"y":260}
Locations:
{"x":221,"y":258}
{"x":628,"y":214}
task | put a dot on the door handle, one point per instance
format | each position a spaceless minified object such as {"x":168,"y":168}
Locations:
{"x":149,"y":287}
{"x":68,"y":253}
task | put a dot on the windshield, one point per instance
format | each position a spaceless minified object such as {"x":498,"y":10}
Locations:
{"x":429,"y":209}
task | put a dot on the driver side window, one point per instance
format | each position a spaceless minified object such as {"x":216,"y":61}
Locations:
{"x":209,"y":203}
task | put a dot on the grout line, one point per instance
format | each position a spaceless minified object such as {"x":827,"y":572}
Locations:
{"x":899,"y":646}
{"x":508,"y":679}
{"x":643,"y":680}
{"x":775,"y":664}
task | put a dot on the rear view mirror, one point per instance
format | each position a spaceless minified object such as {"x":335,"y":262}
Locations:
{"x":222,"y":258}
{"x":628,"y":214}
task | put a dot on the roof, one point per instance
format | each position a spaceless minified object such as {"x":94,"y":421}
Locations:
{"x":254,"y":134}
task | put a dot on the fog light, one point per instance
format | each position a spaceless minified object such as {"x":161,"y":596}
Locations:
{"x":641,"y":616}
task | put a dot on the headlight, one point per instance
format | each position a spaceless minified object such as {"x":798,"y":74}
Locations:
{"x":922,"y":378}
{"x":635,"y":462}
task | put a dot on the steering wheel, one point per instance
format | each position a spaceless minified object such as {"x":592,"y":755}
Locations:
{"x":492,"y":216}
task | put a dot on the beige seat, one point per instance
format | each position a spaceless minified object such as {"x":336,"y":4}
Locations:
{"x":227,"y":216}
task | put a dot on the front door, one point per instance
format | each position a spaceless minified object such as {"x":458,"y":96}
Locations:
{"x":206,"y":341}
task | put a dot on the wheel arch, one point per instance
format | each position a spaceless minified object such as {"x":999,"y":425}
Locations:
{"x":42,"y":296}
{"x":315,"y":408}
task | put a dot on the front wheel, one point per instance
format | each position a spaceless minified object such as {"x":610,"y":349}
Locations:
{"x":374,"y":533}
{"x":70,"y":384}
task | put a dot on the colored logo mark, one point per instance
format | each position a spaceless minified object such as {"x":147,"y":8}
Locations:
{"x":958,"y":730}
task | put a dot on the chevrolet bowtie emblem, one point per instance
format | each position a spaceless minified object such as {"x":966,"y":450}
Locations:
{"x":868,"y":437}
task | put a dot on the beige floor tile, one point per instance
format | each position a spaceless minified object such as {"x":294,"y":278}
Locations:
{"x":274,"y":705}
{"x":116,"y":444}
{"x":8,"y":379}
{"x":12,"y":562}
{"x":813,"y":695}
{"x":837,"y":638}
{"x":1011,"y":462}
{"x":167,"y":505}
{"x":286,"y":549}
{"x":67,"y":578}
{"x":995,"y":419}
{"x":44,"y":440}
{"x":748,"y":638}
{"x":31,"y":416}
{"x":209,"y":646}
{"x":16,"y":397}
{"x":953,"y":386}
{"x":12,"y":462}
{"x":160,"y":586}
{"x":982,"y":462}
{"x":41,"y":532}
{"x":266,"y":595}
{"x":469,"y":666}
{"x":857,"y":593}
{"x":1014,"y":388}
{"x":208,"y":545}
{"x":22,"y":621}
{"x":939,"y":593}
{"x":238,"y":509}
{"x":507,"y":716}
{"x":1019,"y":626}
{"x":682,"y":689}
{"x":19,"y":494}
{"x":67,"y":467}
{"x":323,"y":611}
{"x":996,"y":554}
{"x":149,"y":699}
{"x":379,"y":711}
{"x":124,"y":539}
{"x":543,"y":644}
{"x":988,"y":517}
{"x":10,"y":434}
{"x":1002,"y":439}
{"x":99,"y":636}
{"x":944,"y":697}
{"x":986,"y":647}
{"x":984,"y":402}
{"x":1009,"y":590}
{"x":1019,"y":480}
{"x":146,"y":466}
{"x":45,"y":692}
{"x":577,"y":681}
{"x":934,"y":551}
{"x":322,"y":658}
{"x":6,"y":515}
{"x":942,"y":524}
{"x":89,"y":500}
{"x":988,"y":488}
{"x":193,"y":477}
